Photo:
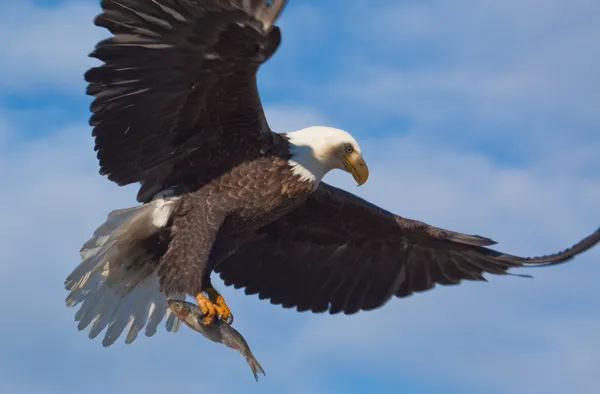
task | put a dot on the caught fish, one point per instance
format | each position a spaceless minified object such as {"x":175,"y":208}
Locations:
{"x":218,"y":331}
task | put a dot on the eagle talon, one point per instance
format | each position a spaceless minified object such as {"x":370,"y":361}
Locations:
{"x":229,"y":319}
{"x":213,"y":307}
{"x":223,"y":310}
{"x":208,"y":319}
{"x":208,"y":309}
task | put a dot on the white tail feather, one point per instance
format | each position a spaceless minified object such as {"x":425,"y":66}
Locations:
{"x":116,"y":283}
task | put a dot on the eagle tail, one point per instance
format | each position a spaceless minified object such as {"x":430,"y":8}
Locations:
{"x":116,"y":284}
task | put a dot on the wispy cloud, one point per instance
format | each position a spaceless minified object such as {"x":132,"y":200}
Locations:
{"x":287,"y":118}
{"x":520,"y":69}
{"x":43,"y":47}
{"x":5,"y":133}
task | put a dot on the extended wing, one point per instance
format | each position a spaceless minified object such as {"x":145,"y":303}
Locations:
{"x":339,"y":253}
{"x":179,"y":77}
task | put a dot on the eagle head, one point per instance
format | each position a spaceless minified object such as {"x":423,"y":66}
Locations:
{"x":317,"y":150}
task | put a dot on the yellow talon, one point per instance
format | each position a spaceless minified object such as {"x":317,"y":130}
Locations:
{"x":220,"y":305}
{"x":207,"y":308}
{"x":213,"y":306}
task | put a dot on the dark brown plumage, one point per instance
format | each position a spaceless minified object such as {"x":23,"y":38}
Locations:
{"x":176,"y":108}
{"x":339,"y":253}
{"x":176,"y":97}
{"x":220,"y":215}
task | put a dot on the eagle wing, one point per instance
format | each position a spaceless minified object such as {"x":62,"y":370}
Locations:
{"x":339,"y":253}
{"x":179,"y":76}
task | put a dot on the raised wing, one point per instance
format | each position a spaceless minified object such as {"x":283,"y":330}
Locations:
{"x":179,"y":76}
{"x":339,"y":253}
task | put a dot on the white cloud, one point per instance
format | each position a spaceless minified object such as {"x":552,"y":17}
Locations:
{"x":46,"y":46}
{"x":289,"y":118}
{"x":5,"y":128}
{"x":487,"y":67}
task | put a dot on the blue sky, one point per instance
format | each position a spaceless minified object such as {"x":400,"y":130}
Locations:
{"x":477,"y":116}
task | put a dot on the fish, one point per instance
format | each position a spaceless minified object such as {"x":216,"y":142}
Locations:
{"x":218,"y":331}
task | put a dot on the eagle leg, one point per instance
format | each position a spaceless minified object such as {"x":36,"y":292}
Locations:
{"x":213,"y":306}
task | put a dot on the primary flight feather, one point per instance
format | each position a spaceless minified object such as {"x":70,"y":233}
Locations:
{"x":176,"y":109}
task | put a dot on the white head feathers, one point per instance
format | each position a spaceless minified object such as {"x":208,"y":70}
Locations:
{"x":314,"y":151}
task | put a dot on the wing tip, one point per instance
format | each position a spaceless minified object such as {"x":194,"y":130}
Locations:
{"x":564,"y":256}
{"x":268,"y":14}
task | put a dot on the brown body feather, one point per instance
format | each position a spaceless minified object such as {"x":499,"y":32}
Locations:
{"x":221,"y":215}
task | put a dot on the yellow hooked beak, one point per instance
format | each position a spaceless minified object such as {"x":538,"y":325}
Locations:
{"x":356,"y":165}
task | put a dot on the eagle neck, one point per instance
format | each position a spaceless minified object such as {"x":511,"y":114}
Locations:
{"x":305,"y":162}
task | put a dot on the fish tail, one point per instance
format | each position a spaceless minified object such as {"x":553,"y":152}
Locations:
{"x":255,"y":367}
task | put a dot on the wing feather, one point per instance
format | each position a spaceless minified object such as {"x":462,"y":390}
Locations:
{"x":339,"y":253}
{"x":178,"y":76}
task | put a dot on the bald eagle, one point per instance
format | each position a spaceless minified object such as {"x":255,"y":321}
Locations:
{"x":176,"y":109}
